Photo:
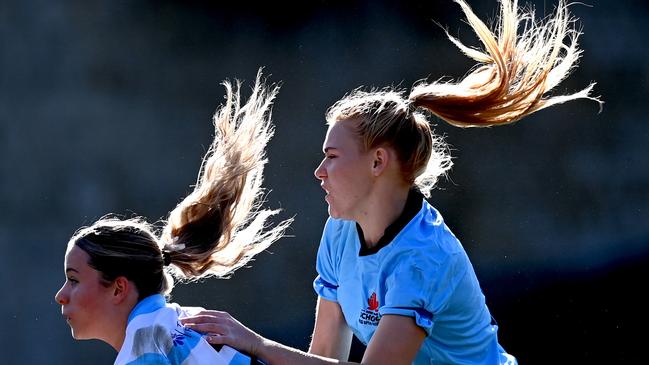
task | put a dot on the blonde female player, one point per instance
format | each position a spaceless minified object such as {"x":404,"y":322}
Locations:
{"x":390,"y":271}
{"x":118,"y":271}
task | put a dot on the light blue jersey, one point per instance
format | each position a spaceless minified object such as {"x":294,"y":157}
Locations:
{"x":155,"y":336}
{"x":423,"y":272}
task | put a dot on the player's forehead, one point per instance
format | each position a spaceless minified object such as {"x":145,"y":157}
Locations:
{"x":341,"y":135}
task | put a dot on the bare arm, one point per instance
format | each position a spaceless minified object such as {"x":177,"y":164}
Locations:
{"x":222,"y":328}
{"x":395,"y":342}
{"x":331,"y":336}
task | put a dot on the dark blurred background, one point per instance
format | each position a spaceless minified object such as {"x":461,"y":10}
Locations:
{"x":105,"y":106}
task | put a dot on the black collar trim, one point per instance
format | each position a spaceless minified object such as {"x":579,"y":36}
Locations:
{"x":413,"y":206}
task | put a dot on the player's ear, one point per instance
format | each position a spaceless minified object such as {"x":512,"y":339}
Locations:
{"x":380,"y":160}
{"x":121,"y":289}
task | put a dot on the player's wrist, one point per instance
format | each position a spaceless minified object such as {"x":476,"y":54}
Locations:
{"x":262,"y":347}
{"x":258,"y":345}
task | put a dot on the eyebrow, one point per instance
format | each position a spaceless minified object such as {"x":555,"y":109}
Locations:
{"x":71,"y":269}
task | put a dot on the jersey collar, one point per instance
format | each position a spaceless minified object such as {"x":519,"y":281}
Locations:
{"x":413,"y":206}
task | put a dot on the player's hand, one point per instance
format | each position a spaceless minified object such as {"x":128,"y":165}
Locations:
{"x":220,"y":328}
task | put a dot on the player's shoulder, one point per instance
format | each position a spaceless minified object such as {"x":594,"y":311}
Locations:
{"x":335,"y":228}
{"x":426,"y":240}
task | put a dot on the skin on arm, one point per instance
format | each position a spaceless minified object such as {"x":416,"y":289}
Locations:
{"x":222,"y":328}
{"x":331,"y":336}
{"x":396,"y":341}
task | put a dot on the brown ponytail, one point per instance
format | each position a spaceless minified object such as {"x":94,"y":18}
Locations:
{"x":219,"y":227}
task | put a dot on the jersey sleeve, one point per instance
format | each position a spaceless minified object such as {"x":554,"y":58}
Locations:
{"x":408,"y":295}
{"x":419,"y":288}
{"x":326,"y":283}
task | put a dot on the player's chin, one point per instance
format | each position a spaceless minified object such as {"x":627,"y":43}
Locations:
{"x":333,"y":213}
{"x":79,"y":334}
{"x":336,"y":213}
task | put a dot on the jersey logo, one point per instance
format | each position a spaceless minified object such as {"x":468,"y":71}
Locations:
{"x":372,"y":303}
{"x":370,"y":315}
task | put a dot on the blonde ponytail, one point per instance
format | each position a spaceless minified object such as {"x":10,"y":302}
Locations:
{"x":514,"y":74}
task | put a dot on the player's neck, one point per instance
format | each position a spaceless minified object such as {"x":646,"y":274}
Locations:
{"x":381,"y":211}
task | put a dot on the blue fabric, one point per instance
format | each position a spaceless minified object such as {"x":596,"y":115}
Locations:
{"x":155,"y":336}
{"x":149,"y":304}
{"x":422,"y":273}
{"x":184,"y":343}
{"x":240,"y":359}
{"x":151,"y":359}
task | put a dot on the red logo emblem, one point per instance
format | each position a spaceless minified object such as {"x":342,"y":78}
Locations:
{"x":372,"y":303}
{"x":370,"y":316}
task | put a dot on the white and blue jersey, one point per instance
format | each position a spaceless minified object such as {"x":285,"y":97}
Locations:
{"x":155,"y":336}
{"x":418,"y":269}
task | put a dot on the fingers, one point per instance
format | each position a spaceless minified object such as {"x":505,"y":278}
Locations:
{"x":213,"y":333}
{"x":209,"y":322}
{"x":205,"y":315}
{"x":207,"y":328}
{"x":206,"y":312}
{"x":221,"y":328}
{"x":215,"y":339}
{"x":205,"y":319}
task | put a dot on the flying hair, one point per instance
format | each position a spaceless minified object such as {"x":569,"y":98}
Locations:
{"x":522,"y":61}
{"x":220,"y":225}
